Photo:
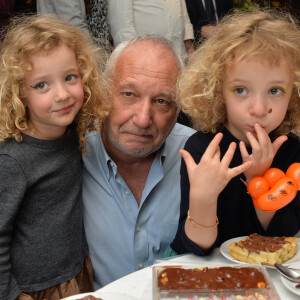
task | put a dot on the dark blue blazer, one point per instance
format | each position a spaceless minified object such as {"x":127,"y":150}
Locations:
{"x":198,"y":16}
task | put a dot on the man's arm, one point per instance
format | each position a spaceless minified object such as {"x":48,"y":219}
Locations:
{"x":120,"y":20}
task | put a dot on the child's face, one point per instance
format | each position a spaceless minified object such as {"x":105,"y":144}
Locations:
{"x":53,"y":91}
{"x":256,"y":92}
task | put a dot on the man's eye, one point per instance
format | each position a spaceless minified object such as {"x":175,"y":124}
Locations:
{"x":40,"y":86}
{"x":163,"y":102}
{"x":71,"y":77}
{"x":128,"y":94}
{"x":276,"y":91}
{"x":240,"y":91}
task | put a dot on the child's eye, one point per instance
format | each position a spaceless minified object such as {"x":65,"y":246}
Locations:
{"x":276,"y":91}
{"x":40,"y":86}
{"x":71,"y":77}
{"x":240,"y":91}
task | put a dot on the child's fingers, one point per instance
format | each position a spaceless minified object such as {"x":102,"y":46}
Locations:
{"x":253,"y":142}
{"x":244,"y":153}
{"x":278,"y":143}
{"x":217,"y":154}
{"x":262,"y":136}
{"x":226,"y":160}
{"x":213,"y":146}
{"x":263,"y":140}
{"x":240,"y":169}
{"x":188,"y":159}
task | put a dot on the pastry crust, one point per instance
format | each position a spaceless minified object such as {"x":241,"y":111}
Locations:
{"x":261,"y":249}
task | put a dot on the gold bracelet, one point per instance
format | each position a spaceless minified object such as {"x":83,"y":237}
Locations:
{"x":195,"y":224}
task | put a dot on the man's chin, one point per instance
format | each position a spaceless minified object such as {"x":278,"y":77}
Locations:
{"x":139,"y":152}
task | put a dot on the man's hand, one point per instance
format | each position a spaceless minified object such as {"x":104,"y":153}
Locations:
{"x":208,"y":30}
{"x":189,"y":47}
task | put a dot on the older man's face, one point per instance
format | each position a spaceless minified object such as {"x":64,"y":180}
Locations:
{"x":143,"y":107}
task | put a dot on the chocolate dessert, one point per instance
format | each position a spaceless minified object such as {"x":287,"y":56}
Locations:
{"x":219,"y":282}
{"x":263,"y":249}
{"x":210,"y":278}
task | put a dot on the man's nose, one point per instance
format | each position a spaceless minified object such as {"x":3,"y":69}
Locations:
{"x":259,"y":106}
{"x":61,"y":93}
{"x":143,"y":114}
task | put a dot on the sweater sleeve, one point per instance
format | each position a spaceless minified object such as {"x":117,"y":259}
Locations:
{"x":12,"y":190}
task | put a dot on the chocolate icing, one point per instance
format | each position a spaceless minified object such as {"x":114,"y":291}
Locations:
{"x":175,"y":278}
{"x":257,"y":243}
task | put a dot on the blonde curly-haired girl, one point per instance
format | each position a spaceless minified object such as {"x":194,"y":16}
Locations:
{"x":51,"y":93}
{"x":242,"y":86}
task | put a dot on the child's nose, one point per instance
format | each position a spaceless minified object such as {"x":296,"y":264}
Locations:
{"x":62,"y":93}
{"x":259,"y":106}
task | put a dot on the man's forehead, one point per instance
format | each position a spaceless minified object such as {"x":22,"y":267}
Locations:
{"x":167,"y":90}
{"x":147,"y":53}
{"x":140,"y":61}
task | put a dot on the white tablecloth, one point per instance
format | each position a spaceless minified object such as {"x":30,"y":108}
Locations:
{"x":138,"y":285}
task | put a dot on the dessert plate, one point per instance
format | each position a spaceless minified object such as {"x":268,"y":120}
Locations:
{"x":224,"y":249}
{"x":291,"y":285}
{"x":103,"y":296}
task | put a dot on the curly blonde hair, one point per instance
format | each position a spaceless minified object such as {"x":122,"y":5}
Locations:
{"x":240,"y":36}
{"x":30,"y":35}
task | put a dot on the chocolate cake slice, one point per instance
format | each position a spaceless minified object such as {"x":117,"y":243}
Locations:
{"x":262,"y":249}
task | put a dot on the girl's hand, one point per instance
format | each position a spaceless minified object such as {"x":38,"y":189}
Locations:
{"x":263,"y":152}
{"x":211,"y":175}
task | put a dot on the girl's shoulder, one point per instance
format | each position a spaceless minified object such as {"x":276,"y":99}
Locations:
{"x":11,"y":154}
{"x":294,"y":138}
{"x":293,"y":143}
{"x":8,"y":146}
{"x":204,"y":138}
{"x":200,"y":136}
{"x":288,"y":153}
{"x":198,"y":142}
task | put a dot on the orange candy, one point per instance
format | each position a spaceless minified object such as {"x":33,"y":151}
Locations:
{"x":273,"y":175}
{"x":275,"y":189}
{"x":294,"y":172}
{"x":258,"y":186}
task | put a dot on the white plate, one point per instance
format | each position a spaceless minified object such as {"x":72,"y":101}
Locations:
{"x":103,"y":296}
{"x":291,"y":285}
{"x":224,"y":249}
